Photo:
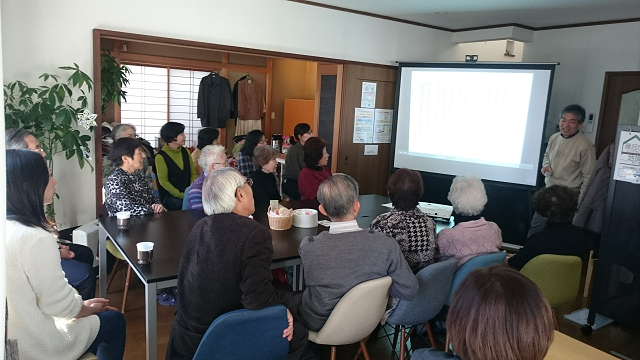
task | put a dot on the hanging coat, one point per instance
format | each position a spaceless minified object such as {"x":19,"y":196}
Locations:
{"x":214,"y":101}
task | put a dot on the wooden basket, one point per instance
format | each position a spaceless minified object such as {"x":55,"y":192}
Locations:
{"x":280,"y":222}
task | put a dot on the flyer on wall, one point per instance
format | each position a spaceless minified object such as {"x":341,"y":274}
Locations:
{"x":627,"y":166}
{"x":363,"y":126}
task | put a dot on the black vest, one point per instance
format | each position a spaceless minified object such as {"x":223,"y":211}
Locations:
{"x":179,"y":178}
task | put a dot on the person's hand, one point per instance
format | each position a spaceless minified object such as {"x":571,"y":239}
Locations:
{"x":157,"y":208}
{"x":288,"y":332}
{"x":65,"y":253}
{"x":98,"y":305}
{"x":546,"y":169}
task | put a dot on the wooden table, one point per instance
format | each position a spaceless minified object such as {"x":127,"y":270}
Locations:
{"x":568,"y":348}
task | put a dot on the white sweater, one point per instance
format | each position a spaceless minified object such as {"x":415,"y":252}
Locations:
{"x":42,"y":305}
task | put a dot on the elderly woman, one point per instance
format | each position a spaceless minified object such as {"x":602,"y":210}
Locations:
{"x":46,"y":317}
{"x":206,"y":136}
{"x":174,"y":166}
{"x":557,"y":204}
{"x":295,"y":160}
{"x":213,"y":157}
{"x":212,"y":282}
{"x":76,"y":260}
{"x":316,"y":171}
{"x":265,"y":187}
{"x":129,"y":131}
{"x":414,"y":231}
{"x":125,"y":189}
{"x":472,"y":235}
{"x":515,"y":318}
{"x":255,"y":138}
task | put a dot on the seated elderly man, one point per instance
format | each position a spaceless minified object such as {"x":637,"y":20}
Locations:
{"x":225,"y":266}
{"x":346,"y":255}
{"x":211,"y":157}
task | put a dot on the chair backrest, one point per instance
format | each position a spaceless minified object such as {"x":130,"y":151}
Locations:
{"x":356,"y":314}
{"x":476,"y":262}
{"x":435,"y":283}
{"x":246,"y":334}
{"x":558,"y":276}
{"x":185,"y":199}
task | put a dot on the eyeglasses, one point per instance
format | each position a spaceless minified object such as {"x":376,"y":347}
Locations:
{"x":38,"y":148}
{"x":262,"y":142}
{"x":249,"y":181}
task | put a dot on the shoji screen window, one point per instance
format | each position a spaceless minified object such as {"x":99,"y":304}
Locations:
{"x":147,"y":101}
{"x":183,"y":101}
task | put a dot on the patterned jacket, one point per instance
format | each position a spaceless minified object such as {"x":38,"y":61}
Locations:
{"x":414,"y":231}
{"x":128,"y":192}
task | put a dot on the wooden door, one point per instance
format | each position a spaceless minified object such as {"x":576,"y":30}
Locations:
{"x":616,"y":86}
{"x":370,"y":171}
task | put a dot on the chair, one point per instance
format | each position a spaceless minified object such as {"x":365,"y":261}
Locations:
{"x":355,"y":316}
{"x":185,"y":199}
{"x":246,"y":334}
{"x":119,"y":257}
{"x":476,"y":262}
{"x":435,"y":283}
{"x":558,"y":276}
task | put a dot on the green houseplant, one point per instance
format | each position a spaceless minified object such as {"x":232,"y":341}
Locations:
{"x":52,"y":112}
{"x":113,"y":77}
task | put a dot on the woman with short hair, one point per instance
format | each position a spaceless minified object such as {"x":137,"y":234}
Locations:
{"x":255,"y":138}
{"x":206,"y":136}
{"x":557,"y":204}
{"x":496,"y":313}
{"x":174,"y":166}
{"x":472,"y":235}
{"x":128,"y":131}
{"x":414,"y":231}
{"x":125,"y":190}
{"x":294,"y":161}
{"x":46,"y":317}
{"x":265,"y":187}
{"x":316,"y":171}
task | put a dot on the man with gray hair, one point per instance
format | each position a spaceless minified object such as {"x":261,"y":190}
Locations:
{"x":212,"y":157}
{"x":225,"y":266}
{"x":337,"y":260}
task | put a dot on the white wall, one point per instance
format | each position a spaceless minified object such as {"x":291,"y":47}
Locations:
{"x":584,"y":54}
{"x":38,"y":36}
{"x":486,"y":51}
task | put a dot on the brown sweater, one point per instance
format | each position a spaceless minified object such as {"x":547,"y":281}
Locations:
{"x":225,"y":266}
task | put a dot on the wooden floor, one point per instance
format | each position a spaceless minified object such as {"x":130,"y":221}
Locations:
{"x":615,"y":337}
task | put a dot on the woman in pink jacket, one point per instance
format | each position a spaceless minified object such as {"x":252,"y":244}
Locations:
{"x":472,"y":235}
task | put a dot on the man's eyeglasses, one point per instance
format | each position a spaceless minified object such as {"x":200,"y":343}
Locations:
{"x":249,"y":181}
{"x":37,"y":148}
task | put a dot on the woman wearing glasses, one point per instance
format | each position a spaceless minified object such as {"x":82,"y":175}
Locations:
{"x":295,"y":161}
{"x":255,"y":138}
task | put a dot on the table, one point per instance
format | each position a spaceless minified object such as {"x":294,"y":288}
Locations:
{"x":170,"y":231}
{"x":564,"y":347}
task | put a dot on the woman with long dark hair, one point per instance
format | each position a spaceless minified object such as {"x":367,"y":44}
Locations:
{"x":47,"y":318}
{"x":295,"y":161}
{"x":255,"y":138}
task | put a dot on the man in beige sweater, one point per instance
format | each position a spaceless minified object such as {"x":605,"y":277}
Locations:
{"x":569,"y":158}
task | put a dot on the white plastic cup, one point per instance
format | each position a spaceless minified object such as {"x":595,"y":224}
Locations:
{"x":123,"y":219}
{"x":145,"y":252}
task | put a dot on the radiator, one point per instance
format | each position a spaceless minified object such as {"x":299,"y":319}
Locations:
{"x":87,"y":235}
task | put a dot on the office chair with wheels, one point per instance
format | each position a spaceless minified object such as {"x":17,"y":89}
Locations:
{"x":355,"y":316}
{"x":246,"y":334}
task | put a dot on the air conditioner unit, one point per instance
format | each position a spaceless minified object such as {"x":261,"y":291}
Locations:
{"x":87,"y":235}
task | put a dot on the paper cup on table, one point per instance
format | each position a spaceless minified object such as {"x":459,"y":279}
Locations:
{"x":145,"y":252}
{"x":305,"y":218}
{"x":123,"y":219}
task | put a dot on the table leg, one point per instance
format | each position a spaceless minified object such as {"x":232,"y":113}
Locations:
{"x":151,"y":315}
{"x":102,"y":254}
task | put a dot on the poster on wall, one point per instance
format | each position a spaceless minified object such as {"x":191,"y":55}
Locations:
{"x":368,"y":99}
{"x":382,"y":126}
{"x":363,"y":126}
{"x":628,"y":160}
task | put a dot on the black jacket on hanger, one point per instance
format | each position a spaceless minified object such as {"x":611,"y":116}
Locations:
{"x":214,"y":101}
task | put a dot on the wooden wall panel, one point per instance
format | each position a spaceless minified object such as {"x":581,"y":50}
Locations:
{"x":371,"y":171}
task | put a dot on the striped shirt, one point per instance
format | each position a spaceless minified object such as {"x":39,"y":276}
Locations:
{"x":194,"y":199}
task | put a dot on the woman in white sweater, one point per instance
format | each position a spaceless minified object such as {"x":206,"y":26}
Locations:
{"x":47,"y":319}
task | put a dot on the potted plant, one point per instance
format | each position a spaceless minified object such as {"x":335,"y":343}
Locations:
{"x":52,"y":112}
{"x":113,"y":78}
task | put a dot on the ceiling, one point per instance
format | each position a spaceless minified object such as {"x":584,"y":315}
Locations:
{"x":468,"y":14}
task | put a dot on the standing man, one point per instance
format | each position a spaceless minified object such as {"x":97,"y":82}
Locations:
{"x":569,"y":158}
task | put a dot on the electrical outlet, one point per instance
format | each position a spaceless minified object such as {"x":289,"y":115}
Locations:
{"x":588,"y":124}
